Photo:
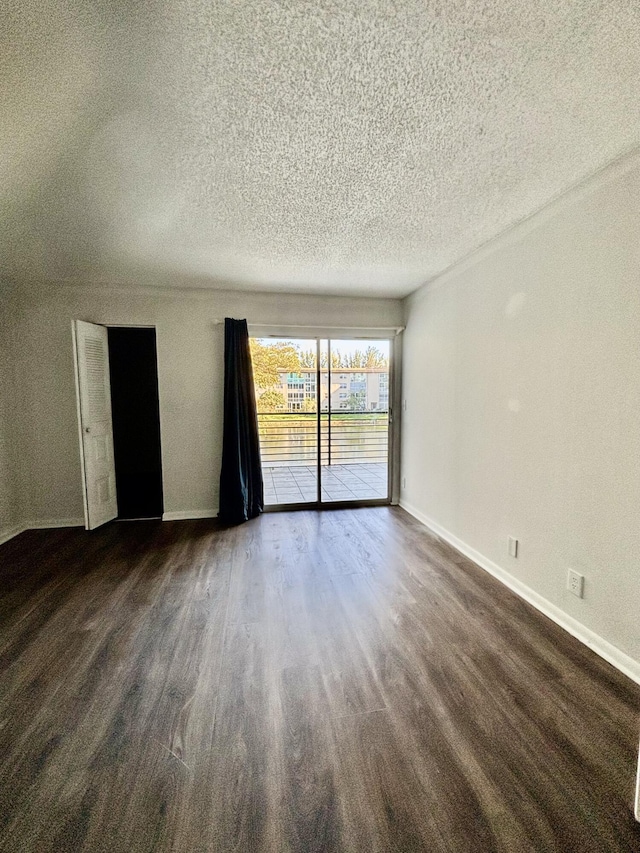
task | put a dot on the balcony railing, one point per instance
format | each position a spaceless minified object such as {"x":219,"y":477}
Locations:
{"x":346,"y":438}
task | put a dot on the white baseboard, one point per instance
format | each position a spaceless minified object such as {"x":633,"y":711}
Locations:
{"x":7,"y":533}
{"x":613,"y":655}
{"x":39,"y":524}
{"x":636,"y":810}
{"x":186,"y":514}
{"x":46,"y":523}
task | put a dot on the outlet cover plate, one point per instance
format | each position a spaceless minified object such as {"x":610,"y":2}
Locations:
{"x":513,"y":546}
{"x":575,"y":583}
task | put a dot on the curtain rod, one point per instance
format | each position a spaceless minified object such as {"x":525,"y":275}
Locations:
{"x":396,"y":329}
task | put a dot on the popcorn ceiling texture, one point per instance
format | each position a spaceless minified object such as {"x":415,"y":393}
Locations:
{"x":326,"y":146}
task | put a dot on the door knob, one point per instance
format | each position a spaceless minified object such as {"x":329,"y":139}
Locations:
{"x":87,"y":429}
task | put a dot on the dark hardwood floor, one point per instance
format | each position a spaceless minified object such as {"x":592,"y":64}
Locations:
{"x":333,"y":681}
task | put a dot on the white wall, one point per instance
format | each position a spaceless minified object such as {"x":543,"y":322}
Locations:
{"x":190,"y":364}
{"x":10,"y":515}
{"x":522,"y":381}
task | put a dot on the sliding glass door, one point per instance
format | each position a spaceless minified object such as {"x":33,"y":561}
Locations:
{"x":285,"y":375}
{"x":323,"y":415}
{"x":354,"y":436}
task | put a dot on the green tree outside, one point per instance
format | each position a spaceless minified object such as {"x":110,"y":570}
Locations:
{"x":272,"y":401}
{"x":269,"y":360}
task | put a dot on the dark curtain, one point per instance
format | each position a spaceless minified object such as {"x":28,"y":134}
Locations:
{"x":241,"y":490}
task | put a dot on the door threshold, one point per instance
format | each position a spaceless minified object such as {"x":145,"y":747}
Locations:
{"x":142,"y":518}
{"x":315,"y":505}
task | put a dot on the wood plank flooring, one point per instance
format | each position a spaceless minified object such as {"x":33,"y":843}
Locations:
{"x":312,"y":681}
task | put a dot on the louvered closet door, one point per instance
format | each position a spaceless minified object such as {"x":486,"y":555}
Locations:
{"x":96,"y":430}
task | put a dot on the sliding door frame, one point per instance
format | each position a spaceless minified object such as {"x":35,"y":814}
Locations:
{"x":393,"y":416}
{"x":318,"y":503}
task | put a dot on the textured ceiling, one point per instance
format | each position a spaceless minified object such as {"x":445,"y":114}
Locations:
{"x":309,"y":146}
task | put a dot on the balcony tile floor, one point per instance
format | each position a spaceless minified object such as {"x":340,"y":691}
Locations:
{"x":298,"y":483}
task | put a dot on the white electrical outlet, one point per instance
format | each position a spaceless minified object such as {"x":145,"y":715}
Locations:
{"x":404,"y":482}
{"x":575,"y":583}
{"x":513,"y":547}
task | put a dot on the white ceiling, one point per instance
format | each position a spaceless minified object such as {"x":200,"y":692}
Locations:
{"x":323,"y":146}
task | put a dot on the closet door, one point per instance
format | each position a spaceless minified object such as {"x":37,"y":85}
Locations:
{"x":91,"y":351}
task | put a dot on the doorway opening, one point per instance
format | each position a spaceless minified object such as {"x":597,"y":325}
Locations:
{"x":324,"y":419}
{"x":135,"y":412}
